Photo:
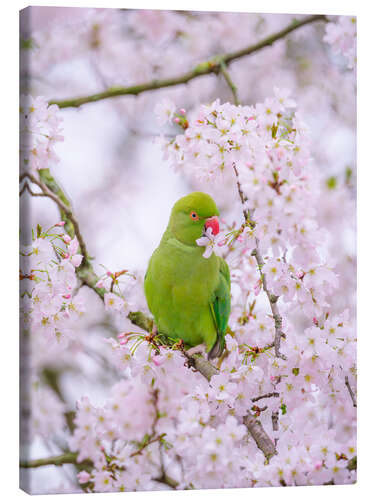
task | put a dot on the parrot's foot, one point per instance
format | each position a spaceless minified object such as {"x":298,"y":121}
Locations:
{"x":198,"y":349}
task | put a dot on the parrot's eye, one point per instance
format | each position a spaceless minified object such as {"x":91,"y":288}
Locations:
{"x":194,"y":216}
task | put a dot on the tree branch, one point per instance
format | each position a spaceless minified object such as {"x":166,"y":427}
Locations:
{"x":65,"y":458}
{"x":86,"y":273}
{"x":352,"y":464}
{"x":263,"y":441}
{"x":204,"y":68}
{"x":228,"y":79}
{"x":26,"y":187}
{"x":275,"y":421}
{"x":61,"y":202}
{"x":272,"y":299}
{"x":169,"y":481}
{"x":351,"y":392}
{"x":204,"y":367}
{"x":268,"y":395}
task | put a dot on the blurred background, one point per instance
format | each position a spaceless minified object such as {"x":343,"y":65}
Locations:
{"x":112,"y":168}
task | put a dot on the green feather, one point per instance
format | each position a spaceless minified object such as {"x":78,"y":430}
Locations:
{"x":220,"y":307}
{"x":189,"y":295}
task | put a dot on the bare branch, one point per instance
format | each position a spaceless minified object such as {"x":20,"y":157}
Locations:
{"x":268,"y":395}
{"x":272,"y":299}
{"x":169,"y":481}
{"x":263,"y":441}
{"x":64,"y":208}
{"x":204,"y":68}
{"x":198,"y":362}
{"x":243,"y":198}
{"x":148,"y":442}
{"x":351,"y":392}
{"x":275,"y":421}
{"x":27,"y":188}
{"x":352,"y":464}
{"x":228,"y":79}
{"x":65,"y":458}
{"x":88,"y":276}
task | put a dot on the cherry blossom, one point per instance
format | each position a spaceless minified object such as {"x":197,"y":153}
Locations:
{"x":140,"y":415}
{"x":211,"y":242}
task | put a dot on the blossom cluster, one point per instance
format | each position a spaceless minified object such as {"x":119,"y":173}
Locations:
{"x":266,"y":149}
{"x":342,"y":36}
{"x":48,"y":273}
{"x":163,"y":420}
{"x":163,"y":424}
{"x":40,"y":130}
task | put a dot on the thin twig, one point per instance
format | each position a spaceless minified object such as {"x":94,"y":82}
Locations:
{"x":243,"y":198}
{"x":263,"y":441}
{"x":275,"y":421}
{"x":268,"y":395}
{"x":351,"y":392}
{"x":63,"y":207}
{"x":65,"y":458}
{"x":89,"y":278}
{"x":148,"y":442}
{"x":26,"y":187}
{"x":228,"y":79}
{"x":272,"y":299}
{"x":204,"y":68}
{"x":204,"y":367}
{"x":169,"y":481}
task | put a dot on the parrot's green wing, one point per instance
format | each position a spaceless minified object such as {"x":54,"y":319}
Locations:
{"x":220,"y":307}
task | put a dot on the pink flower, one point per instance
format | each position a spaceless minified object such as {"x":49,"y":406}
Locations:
{"x":76,"y":260}
{"x":211,"y":242}
{"x":113,"y":302}
{"x":164,"y":111}
{"x":258,"y":287}
{"x":73,"y":246}
{"x":83,"y":477}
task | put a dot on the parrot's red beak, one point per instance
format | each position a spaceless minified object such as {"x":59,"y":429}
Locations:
{"x":213,"y":223}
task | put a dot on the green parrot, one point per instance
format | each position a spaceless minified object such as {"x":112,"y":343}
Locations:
{"x":188,"y":294}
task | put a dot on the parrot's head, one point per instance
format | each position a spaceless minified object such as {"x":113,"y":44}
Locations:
{"x":192,"y":215}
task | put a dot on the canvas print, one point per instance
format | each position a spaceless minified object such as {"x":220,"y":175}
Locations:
{"x":187,"y":250}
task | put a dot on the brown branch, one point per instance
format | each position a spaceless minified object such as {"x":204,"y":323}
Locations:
{"x":169,"y":481}
{"x":65,"y":458}
{"x":351,"y":392}
{"x":352,"y":464}
{"x":204,"y":68}
{"x":198,"y":362}
{"x":88,"y":276}
{"x":275,"y":421}
{"x":243,"y":198}
{"x":65,"y":208}
{"x":272,"y":299}
{"x":27,"y":188}
{"x":268,"y":395}
{"x":263,"y":441}
{"x":228,"y":79}
{"x":51,"y":189}
{"x":147,"y":443}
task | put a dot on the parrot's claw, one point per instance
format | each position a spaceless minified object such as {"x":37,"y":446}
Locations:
{"x":198,"y":349}
{"x":189,"y":363}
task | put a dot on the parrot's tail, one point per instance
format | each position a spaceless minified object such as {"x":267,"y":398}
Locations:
{"x":218,"y":348}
